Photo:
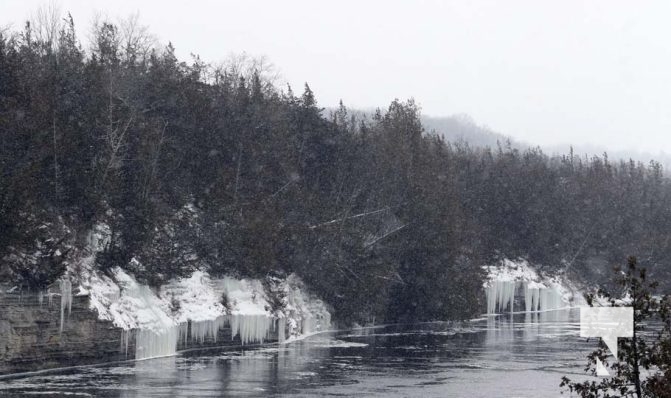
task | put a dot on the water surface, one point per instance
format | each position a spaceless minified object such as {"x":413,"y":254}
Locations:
{"x":521,"y":355}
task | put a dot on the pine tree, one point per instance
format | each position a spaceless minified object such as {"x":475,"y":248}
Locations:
{"x":639,"y":353}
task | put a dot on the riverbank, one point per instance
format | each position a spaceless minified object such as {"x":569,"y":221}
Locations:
{"x":107,"y":319}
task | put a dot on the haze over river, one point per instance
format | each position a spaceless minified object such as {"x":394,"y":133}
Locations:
{"x":523,"y":355}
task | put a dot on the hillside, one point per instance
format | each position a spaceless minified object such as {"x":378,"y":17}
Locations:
{"x":197,"y":168}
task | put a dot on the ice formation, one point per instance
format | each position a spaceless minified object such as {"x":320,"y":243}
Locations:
{"x":245,"y":296}
{"x":198,"y":299}
{"x":135,"y":308}
{"x":305,"y":314}
{"x":500,"y":295}
{"x":309,"y":325}
{"x":66,"y":299}
{"x":125,"y":337}
{"x":250,"y":328}
{"x":201,"y":330}
{"x":281,"y":329}
{"x":152,"y":344}
{"x":250,"y":317}
{"x":539,"y":294}
{"x":191,"y":310}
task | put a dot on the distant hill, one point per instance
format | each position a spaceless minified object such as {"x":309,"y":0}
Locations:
{"x":462,"y":128}
{"x":455,"y":128}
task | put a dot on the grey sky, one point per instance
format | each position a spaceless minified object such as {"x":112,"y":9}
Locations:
{"x":546,"y":72}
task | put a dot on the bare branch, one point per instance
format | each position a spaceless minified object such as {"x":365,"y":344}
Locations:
{"x":136,"y":40}
{"x":47,"y":23}
{"x":384,"y":236}
{"x":337,"y":220}
{"x":245,"y":65}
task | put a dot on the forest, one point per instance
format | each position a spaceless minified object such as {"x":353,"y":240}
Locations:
{"x":203,"y":166}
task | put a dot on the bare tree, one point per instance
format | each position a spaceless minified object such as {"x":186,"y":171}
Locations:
{"x":246,"y":66}
{"x":46,"y":24}
{"x":137,"y":43}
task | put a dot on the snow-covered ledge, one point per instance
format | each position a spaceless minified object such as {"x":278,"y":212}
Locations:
{"x":159,"y":320}
{"x":196,"y":308}
{"x":510,"y":279}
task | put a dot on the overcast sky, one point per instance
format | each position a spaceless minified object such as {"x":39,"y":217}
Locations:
{"x":547,"y":72}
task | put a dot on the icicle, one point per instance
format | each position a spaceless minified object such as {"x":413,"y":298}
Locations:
{"x":233,"y":321}
{"x":66,"y":298}
{"x":281,"y":329}
{"x":308,"y":325}
{"x":125,"y":334}
{"x":204,"y":329}
{"x":511,"y":292}
{"x":500,"y":295}
{"x":250,"y":328}
{"x":40,"y":297}
{"x":150,"y":344}
{"x":491,"y":297}
{"x":538,"y":294}
{"x":528,"y":296}
{"x":184,"y":333}
{"x":550,"y":299}
{"x":542,"y":298}
{"x":531,"y":297}
{"x":326,"y":320}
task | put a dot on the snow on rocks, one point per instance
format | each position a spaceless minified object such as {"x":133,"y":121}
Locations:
{"x":302,"y":314}
{"x":195,"y":298}
{"x":162,"y":317}
{"x":245,"y":296}
{"x":190,"y":309}
{"x":197,"y":307}
{"x":99,"y":237}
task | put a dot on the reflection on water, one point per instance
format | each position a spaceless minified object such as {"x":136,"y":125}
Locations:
{"x":520,"y":355}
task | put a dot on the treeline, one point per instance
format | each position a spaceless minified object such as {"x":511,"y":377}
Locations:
{"x":194,"y":166}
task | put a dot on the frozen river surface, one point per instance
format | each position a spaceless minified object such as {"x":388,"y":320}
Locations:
{"x":524,"y":355}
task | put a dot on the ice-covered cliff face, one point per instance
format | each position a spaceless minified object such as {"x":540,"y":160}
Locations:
{"x":198,"y":307}
{"x":160,"y":318}
{"x":515,"y":286}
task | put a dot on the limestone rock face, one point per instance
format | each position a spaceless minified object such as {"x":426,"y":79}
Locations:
{"x":31,"y":338}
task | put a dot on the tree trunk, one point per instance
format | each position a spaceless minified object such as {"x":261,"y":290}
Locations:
{"x":237,"y":175}
{"x":637,"y":371}
{"x":56,"y":185}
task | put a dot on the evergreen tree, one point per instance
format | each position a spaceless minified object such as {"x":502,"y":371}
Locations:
{"x":636,"y":356}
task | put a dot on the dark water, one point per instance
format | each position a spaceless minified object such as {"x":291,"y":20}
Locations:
{"x":507,"y":356}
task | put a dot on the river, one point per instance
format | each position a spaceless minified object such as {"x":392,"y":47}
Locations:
{"x":521,"y":355}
